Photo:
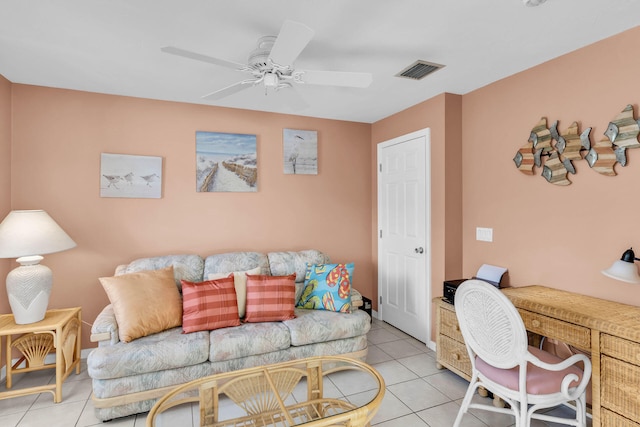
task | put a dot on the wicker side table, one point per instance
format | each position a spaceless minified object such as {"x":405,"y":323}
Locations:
{"x":59,"y":331}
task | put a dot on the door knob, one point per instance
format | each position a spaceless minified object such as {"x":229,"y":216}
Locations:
{"x":419,"y":250}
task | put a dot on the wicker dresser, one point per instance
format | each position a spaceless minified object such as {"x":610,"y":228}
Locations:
{"x":609,"y":330}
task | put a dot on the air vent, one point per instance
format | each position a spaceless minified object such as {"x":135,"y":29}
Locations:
{"x":419,"y":70}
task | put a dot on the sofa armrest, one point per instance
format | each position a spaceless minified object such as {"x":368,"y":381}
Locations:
{"x":356,"y":298}
{"x":104,"y":330}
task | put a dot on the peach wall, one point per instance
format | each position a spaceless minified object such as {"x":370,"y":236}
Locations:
{"x":545,"y":234}
{"x":5,"y":177}
{"x":442,"y":114}
{"x":5,"y":174}
{"x":557,"y":236}
{"x":58,"y":136}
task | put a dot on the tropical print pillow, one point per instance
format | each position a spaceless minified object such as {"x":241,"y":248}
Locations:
{"x":327,"y":287}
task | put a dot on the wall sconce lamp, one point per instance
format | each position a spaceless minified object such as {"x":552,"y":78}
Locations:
{"x":624,"y":269}
{"x":27,"y":235}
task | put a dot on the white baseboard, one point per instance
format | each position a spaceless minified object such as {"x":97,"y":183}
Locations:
{"x":431,"y":345}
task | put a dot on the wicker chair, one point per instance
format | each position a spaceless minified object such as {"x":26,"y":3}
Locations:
{"x":526,"y":378}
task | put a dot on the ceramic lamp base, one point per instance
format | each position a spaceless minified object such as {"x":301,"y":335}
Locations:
{"x":28,"y":288}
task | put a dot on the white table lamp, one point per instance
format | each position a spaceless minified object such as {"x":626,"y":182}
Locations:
{"x":26,"y":235}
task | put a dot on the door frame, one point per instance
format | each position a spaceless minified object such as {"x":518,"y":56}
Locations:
{"x":426,"y":133}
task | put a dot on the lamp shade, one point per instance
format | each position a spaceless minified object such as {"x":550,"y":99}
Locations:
{"x":624,"y":269}
{"x":31,"y":232}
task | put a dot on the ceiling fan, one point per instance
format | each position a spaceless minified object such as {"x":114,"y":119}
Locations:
{"x":271,"y":64}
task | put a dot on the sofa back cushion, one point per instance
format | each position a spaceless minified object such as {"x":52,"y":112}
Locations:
{"x":285,"y":263}
{"x":235,"y":261}
{"x":185,"y":267}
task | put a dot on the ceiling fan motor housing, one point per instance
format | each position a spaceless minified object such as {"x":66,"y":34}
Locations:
{"x":259,"y":57}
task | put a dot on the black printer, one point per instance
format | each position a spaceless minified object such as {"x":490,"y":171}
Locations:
{"x":449,"y":289}
{"x":450,"y":286}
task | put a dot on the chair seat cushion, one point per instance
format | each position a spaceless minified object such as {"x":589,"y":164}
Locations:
{"x":539,"y":381}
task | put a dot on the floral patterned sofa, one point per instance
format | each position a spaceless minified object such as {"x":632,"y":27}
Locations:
{"x":128,"y":377}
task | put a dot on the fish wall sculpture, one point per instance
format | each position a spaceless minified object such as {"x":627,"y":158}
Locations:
{"x":562,"y":148}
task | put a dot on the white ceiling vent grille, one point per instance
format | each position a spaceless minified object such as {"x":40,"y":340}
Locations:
{"x":419,"y":70}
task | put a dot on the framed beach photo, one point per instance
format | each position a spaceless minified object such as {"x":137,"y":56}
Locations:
{"x":226,"y":162}
{"x":300,"y":148}
{"x":124,"y":175}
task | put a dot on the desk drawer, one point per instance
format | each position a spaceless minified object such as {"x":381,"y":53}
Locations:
{"x":620,"y":348}
{"x":449,"y":325}
{"x":611,"y":419}
{"x":454,"y":353}
{"x":619,"y":387}
{"x":547,"y":326}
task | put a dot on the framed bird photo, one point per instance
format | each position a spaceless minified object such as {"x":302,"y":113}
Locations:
{"x":300,"y":149}
{"x":124,"y":175}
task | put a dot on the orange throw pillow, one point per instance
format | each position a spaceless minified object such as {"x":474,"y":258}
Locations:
{"x":270,"y":298}
{"x":144,"y":303}
{"x":209,"y":305}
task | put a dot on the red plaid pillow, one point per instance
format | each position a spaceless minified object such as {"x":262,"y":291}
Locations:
{"x":270,"y":298}
{"x":209,"y":305}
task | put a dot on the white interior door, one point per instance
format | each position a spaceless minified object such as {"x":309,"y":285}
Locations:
{"x":403,"y":234}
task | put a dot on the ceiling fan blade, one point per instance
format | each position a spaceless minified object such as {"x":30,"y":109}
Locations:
{"x":293,"y":37}
{"x":229,"y":90}
{"x":199,"y":57}
{"x":292,"y":99}
{"x":335,"y":78}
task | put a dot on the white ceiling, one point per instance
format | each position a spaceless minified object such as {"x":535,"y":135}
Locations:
{"x":113,"y":46}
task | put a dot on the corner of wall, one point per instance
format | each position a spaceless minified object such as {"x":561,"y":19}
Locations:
{"x":453,"y":186}
{"x":5,"y":174}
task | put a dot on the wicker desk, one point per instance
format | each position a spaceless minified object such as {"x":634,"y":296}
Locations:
{"x":59,"y":331}
{"x":262,"y":396}
{"x":609,"y":330}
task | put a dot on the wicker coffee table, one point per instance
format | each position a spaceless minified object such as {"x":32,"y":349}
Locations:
{"x":263,"y":396}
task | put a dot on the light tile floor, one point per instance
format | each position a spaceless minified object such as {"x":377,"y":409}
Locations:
{"x":417,"y":393}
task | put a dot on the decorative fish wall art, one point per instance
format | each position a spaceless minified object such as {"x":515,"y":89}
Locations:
{"x":562,"y":149}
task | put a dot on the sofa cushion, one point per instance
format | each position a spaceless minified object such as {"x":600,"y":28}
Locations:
{"x":285,"y":263}
{"x":327,"y":287}
{"x":236,"y":261}
{"x":248,"y":340}
{"x":270,"y":298}
{"x":209,"y":305}
{"x":315,"y":326}
{"x":240,"y":283}
{"x":158,"y":352}
{"x":144,"y":303}
{"x":185,"y":267}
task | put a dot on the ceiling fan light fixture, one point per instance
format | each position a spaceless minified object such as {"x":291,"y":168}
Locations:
{"x":271,"y":80}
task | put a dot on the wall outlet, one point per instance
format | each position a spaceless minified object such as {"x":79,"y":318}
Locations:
{"x":484,"y":234}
